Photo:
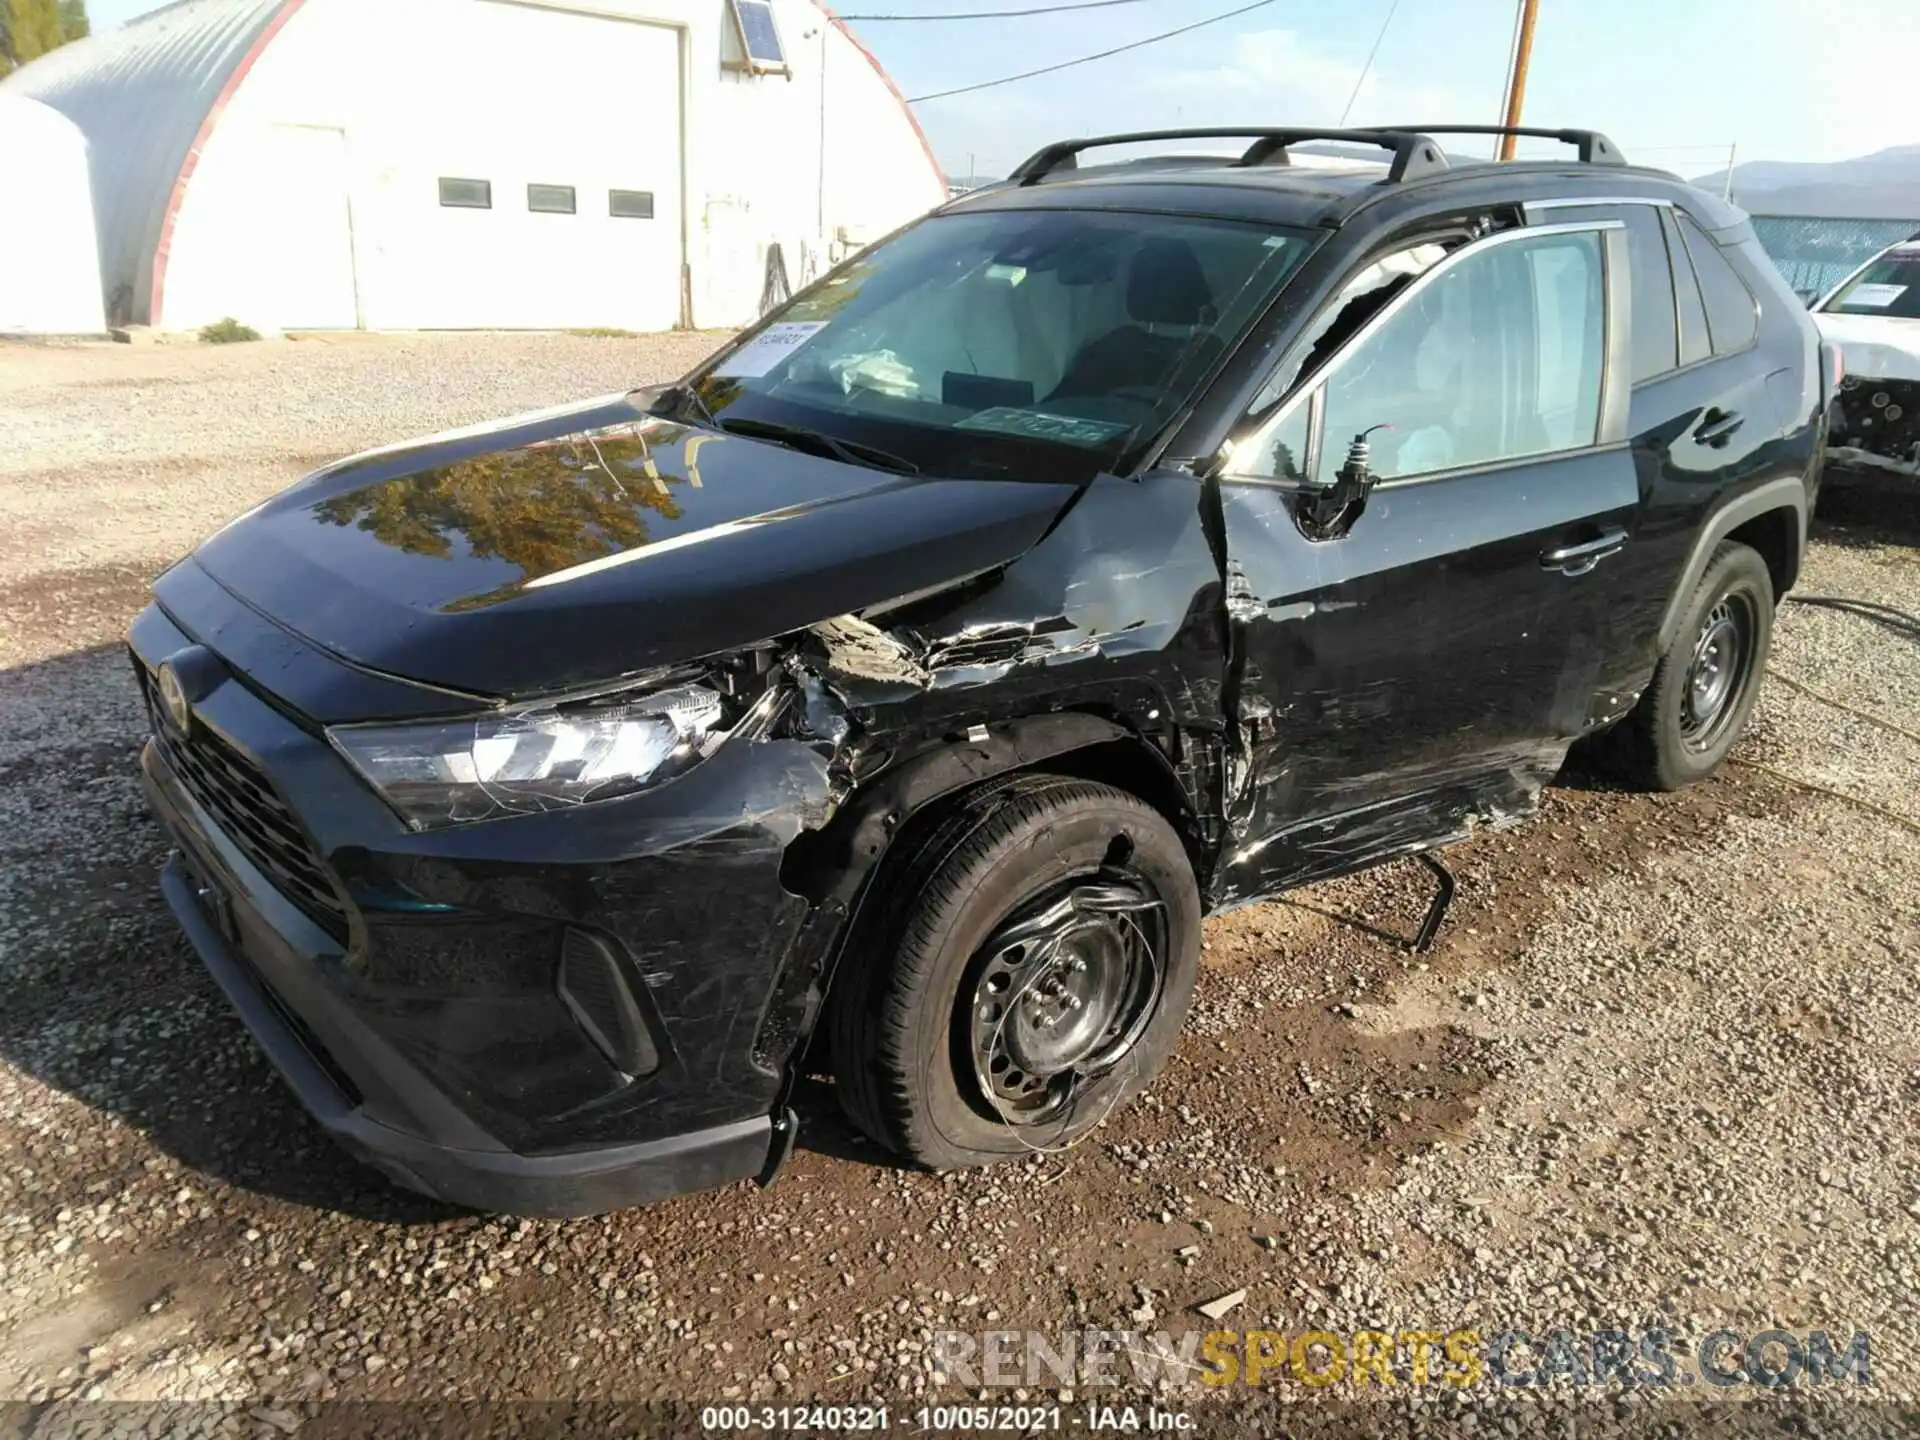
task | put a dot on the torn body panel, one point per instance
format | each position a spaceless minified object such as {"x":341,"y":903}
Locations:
{"x":1120,"y":599}
{"x":1115,"y":613}
{"x":1495,"y":792}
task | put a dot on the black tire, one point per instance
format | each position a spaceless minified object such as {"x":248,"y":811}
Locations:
{"x":904,"y":1042}
{"x":1664,"y":744}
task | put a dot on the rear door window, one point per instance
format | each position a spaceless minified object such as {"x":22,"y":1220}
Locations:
{"x":1655,"y":347}
{"x":1656,"y":343}
{"x":1732,"y":321}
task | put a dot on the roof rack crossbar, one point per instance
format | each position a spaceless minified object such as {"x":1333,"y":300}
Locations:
{"x":1591,"y":146}
{"x":1414,"y":154}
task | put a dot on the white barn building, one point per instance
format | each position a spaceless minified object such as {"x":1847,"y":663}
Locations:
{"x":467,"y":164}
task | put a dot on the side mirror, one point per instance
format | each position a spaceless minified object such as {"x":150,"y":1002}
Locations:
{"x":1327,"y":512}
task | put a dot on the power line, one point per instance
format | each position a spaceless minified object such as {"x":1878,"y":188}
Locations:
{"x":996,"y":14}
{"x":1088,"y":59}
{"x":1367,"y":68}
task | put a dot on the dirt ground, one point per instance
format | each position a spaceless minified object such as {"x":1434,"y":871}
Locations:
{"x":1660,"y":1068}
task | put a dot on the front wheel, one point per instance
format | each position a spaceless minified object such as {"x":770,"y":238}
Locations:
{"x":1705,"y":686}
{"x":1028,"y":974}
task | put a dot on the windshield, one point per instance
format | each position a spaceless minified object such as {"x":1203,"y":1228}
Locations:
{"x":1006,"y":344}
{"x":1889,"y":286}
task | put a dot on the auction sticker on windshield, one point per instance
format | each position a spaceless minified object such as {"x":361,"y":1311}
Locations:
{"x":767,"y":349}
{"x":1038,"y":425}
{"x":1878,"y":296}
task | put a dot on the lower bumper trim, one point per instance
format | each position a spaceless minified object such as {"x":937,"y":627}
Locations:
{"x":585,"y":1182}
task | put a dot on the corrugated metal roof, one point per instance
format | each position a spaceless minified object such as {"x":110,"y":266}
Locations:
{"x":141,"y":95}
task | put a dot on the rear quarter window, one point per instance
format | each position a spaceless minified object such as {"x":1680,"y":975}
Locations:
{"x":1732,"y":315}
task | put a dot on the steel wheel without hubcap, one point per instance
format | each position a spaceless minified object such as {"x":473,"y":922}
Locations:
{"x":1027,"y":978}
{"x":1717,"y":674}
{"x":1063,"y":993}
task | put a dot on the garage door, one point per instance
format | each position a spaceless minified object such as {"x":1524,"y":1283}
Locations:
{"x":266,"y":234}
{"x":301,"y":204}
{"x":533,"y":180}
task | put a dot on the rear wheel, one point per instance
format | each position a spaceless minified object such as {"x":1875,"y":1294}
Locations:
{"x":1028,"y":974}
{"x":1704,"y":689}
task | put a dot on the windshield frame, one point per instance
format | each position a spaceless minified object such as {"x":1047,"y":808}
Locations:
{"x":989,"y":454}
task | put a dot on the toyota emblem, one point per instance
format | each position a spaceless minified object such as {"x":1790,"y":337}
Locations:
{"x":173,"y":698}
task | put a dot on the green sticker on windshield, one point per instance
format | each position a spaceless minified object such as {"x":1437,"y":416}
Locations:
{"x":1039,"y":425}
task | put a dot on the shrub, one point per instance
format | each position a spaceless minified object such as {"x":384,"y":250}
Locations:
{"x":227,"y":332}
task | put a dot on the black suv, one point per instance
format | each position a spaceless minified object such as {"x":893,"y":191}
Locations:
{"x":897,"y":692}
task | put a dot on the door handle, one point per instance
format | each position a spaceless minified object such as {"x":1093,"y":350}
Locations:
{"x":1579,"y":559}
{"x":1717,"y":427}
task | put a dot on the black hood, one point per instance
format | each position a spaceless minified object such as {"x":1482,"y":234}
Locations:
{"x":577,"y":545}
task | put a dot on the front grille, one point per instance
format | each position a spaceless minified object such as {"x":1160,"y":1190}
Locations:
{"x":231,"y":789}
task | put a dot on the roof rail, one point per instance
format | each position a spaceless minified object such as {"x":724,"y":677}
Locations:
{"x":1593,"y":147}
{"x":1413,"y":154}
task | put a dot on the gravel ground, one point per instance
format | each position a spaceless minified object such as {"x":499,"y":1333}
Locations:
{"x":1660,"y":1069}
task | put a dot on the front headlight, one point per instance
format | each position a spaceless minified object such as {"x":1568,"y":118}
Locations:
{"x":452,"y":772}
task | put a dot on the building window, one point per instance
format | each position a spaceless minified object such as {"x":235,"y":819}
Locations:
{"x":550,"y":199}
{"x":630,"y":204}
{"x":466,"y":194}
{"x":759,"y":36}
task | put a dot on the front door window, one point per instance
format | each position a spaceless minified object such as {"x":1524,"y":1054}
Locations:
{"x":1498,"y":356}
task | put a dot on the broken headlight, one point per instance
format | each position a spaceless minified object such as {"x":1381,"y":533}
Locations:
{"x":454,"y":772}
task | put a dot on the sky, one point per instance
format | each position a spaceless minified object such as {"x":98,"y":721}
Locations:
{"x":1673,"y":82}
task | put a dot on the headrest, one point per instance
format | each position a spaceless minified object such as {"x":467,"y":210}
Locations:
{"x":1165,"y":285}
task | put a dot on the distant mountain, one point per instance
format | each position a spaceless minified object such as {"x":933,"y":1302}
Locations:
{"x":1882,"y":186}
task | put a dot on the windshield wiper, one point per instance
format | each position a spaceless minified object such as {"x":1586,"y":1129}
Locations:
{"x":796,"y":437}
{"x":680,"y":393}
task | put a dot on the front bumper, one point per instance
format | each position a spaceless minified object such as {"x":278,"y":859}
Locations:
{"x":1876,"y":426}
{"x":581,"y":1183}
{"x":431,"y":1009}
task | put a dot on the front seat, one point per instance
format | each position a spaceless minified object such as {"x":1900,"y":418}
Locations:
{"x":1165,"y":287}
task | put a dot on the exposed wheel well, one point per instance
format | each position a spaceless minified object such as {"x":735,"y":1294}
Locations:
{"x":848,"y":862}
{"x":836,"y":861}
{"x":1775,"y":534}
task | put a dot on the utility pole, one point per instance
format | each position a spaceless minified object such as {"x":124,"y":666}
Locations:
{"x":1517,"y":82}
{"x":1732,"y":150}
